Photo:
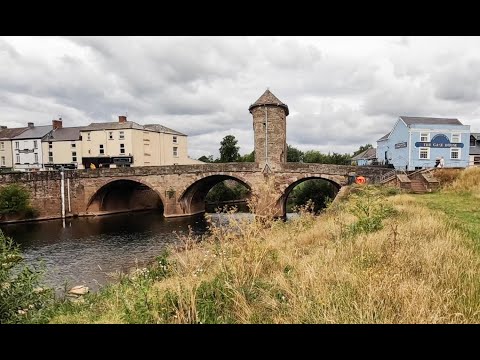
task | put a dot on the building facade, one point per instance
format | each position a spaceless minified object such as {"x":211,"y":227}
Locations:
{"x":367,"y":157}
{"x":126,"y":143}
{"x":27,"y":152}
{"x":420,"y":142}
{"x":474,"y":149}
{"x":6,"y":153}
{"x":62,"y":147}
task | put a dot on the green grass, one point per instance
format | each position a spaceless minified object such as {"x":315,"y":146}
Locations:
{"x":461,"y":208}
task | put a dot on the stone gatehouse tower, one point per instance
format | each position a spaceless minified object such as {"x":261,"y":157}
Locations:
{"x":270,"y":131}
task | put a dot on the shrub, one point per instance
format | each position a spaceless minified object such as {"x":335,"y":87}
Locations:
{"x":21,"y":297}
{"x":13,"y":199}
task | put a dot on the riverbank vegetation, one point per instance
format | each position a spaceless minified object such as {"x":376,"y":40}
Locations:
{"x":15,"y":203}
{"x":377,"y":256}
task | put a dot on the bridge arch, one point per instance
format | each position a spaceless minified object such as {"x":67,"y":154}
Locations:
{"x":124,"y":194}
{"x":287,"y":189}
{"x":192,"y":198}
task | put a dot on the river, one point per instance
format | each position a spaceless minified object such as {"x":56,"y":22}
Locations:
{"x":89,"y":249}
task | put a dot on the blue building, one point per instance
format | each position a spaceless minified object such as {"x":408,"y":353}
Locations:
{"x":420,"y":142}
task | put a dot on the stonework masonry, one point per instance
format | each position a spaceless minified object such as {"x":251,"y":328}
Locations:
{"x":180,"y":188}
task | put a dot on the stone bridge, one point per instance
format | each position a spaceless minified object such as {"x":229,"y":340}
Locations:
{"x":179,"y":189}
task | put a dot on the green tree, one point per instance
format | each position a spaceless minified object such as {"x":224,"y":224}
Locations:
{"x":14,"y":199}
{"x":293,"y":154}
{"x":229,"y":149}
{"x":319,"y":191}
{"x":248,"y":157}
{"x":21,"y":298}
{"x":362,"y":149}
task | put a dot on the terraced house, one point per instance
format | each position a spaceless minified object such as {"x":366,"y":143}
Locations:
{"x":6,"y":135}
{"x":126,"y":143}
{"x":62,"y":147}
{"x":27,"y":149}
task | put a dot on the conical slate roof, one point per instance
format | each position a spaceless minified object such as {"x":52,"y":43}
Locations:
{"x":268,"y":99}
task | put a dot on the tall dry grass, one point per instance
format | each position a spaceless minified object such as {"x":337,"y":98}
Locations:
{"x":413,"y":268}
{"x":467,"y":180}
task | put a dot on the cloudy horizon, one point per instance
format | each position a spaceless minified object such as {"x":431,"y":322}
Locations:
{"x":342,"y":92}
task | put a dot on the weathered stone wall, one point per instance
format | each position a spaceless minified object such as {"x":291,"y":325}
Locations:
{"x":181,"y":188}
{"x":276,"y":132}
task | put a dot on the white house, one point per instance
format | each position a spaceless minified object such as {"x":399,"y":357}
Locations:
{"x":27,"y":148}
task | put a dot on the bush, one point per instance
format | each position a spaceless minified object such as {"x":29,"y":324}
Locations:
{"x":21,"y":297}
{"x":15,"y":200}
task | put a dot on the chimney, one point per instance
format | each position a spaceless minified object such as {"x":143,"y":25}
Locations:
{"x":122,"y":119}
{"x":30,"y":125}
{"x":57,"y":124}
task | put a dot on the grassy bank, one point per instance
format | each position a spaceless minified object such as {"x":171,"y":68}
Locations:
{"x":372,"y":258}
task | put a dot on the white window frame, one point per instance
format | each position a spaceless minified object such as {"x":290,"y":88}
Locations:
{"x":36,"y":158}
{"x":458,"y":150}
{"x":175,"y":151}
{"x":2,"y":145}
{"x":3,"y":161}
{"x":35,"y":145}
{"x":458,"y":139}
{"x":88,"y":136}
{"x":17,"y":157}
{"x":175,"y":139}
{"x":74,"y":156}
{"x":420,"y":152}
{"x":17,"y":144}
{"x":427,"y":137}
{"x":101,"y":149}
{"x":73,"y":145}
{"x":122,"y":147}
{"x":110,"y":135}
{"x":121,"y":135}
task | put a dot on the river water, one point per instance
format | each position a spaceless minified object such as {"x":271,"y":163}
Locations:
{"x":89,"y":249}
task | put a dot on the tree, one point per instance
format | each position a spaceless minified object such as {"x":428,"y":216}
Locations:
{"x":362,"y":149}
{"x":293,"y":154}
{"x":229,"y":149}
{"x":208,"y":159}
{"x":319,"y":191}
{"x":248,"y":157}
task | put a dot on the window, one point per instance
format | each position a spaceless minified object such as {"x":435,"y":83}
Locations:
{"x":3,"y":160}
{"x":88,"y":136}
{"x":50,"y":145}
{"x":424,"y":137}
{"x":74,"y":156}
{"x":455,"y":153}
{"x":175,"y":151}
{"x":35,"y":144}
{"x":102,"y":151}
{"x":476,"y":160}
{"x":74,"y":145}
{"x":472,"y":140}
{"x":122,"y":148}
{"x":455,"y":138}
{"x":2,"y":145}
{"x":110,"y":135}
{"x":175,"y":141}
{"x":121,"y":135}
{"x":424,"y":153}
{"x":17,"y":145}
{"x":36,"y":158}
{"x":17,"y":158}
{"x":50,"y":157}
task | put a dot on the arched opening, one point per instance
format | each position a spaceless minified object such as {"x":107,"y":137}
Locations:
{"x":214,"y":191}
{"x":317,"y":189}
{"x":123,"y":196}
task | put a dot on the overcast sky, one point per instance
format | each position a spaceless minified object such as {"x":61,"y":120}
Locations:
{"x":342,"y":92}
